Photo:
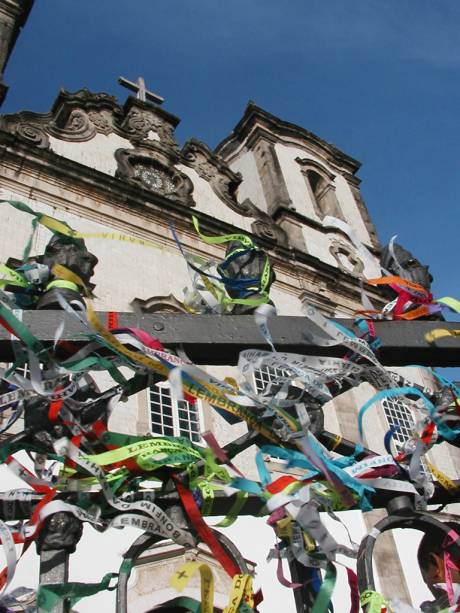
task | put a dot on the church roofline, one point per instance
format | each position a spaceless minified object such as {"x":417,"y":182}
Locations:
{"x":254,"y":114}
{"x":88,"y":100}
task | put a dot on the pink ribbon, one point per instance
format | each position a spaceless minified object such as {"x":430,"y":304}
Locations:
{"x":450,"y":564}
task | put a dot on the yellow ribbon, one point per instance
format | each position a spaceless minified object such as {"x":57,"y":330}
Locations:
{"x":452,"y":303}
{"x":183,"y":575}
{"x":241,"y":589}
{"x":58,"y":226}
{"x":156,"y":446}
{"x":438,"y":333}
{"x":443,"y":479}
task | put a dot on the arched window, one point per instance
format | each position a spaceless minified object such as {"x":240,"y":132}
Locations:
{"x":323,"y":195}
{"x":321,"y":186}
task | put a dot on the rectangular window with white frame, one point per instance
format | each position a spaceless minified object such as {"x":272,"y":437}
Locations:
{"x":401,"y":417}
{"x":169,"y":417}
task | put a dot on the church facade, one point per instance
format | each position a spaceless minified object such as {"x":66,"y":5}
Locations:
{"x":105,"y":167}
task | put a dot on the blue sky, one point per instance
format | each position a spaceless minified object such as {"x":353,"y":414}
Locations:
{"x":378,"y":78}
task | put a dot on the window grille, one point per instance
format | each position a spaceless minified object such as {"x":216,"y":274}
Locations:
{"x":266,"y":375}
{"x":399,"y":415}
{"x":173,"y":418}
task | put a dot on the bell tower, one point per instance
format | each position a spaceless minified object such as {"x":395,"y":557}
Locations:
{"x":13,"y":16}
{"x":310,"y":190}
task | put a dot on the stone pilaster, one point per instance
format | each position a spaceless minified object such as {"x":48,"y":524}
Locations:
{"x":270,"y":173}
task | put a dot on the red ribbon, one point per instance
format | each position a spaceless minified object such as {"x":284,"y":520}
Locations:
{"x":204,"y":531}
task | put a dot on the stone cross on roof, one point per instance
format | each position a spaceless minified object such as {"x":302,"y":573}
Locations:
{"x":141,"y":92}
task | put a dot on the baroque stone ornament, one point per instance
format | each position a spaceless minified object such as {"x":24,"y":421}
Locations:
{"x":225,"y":182}
{"x":265,"y":227}
{"x":154,"y":178}
{"x":154,"y":172}
{"x":77,"y":127}
{"x":159,"y":304}
{"x":102,"y":121}
{"x":142,"y":118}
{"x":210,"y":167}
{"x":76,"y":117}
{"x":346,"y":258}
{"x":33,"y":134}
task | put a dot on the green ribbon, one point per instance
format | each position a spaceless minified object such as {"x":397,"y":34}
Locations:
{"x":181,"y":602}
{"x":236,"y":507}
{"x":51,"y":594}
{"x":246,"y":241}
{"x":373,"y":600}
{"x":325,"y":593}
{"x":13,"y":277}
{"x":126,"y":566}
{"x":38,"y":218}
{"x":207,"y":493}
{"x":169,"y":448}
{"x":145,"y":461}
{"x":61,"y":284}
{"x":23,"y":332}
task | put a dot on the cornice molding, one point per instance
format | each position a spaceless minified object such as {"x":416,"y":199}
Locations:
{"x":312,"y":223}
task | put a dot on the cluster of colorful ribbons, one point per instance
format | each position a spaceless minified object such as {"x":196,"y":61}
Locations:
{"x":110,"y":479}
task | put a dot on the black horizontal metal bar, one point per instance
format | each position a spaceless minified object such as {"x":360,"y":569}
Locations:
{"x":213,"y":339}
{"x":11,"y":509}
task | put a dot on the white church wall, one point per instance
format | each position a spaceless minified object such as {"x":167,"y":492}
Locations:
{"x":98,"y":153}
{"x":350,"y":209}
{"x":317,"y":246}
{"x":208,"y":202}
{"x":125,"y":271}
{"x":251,"y":187}
{"x":287,"y":303}
{"x":295,"y":181}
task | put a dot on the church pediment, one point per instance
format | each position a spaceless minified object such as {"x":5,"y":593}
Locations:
{"x":79,"y":116}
